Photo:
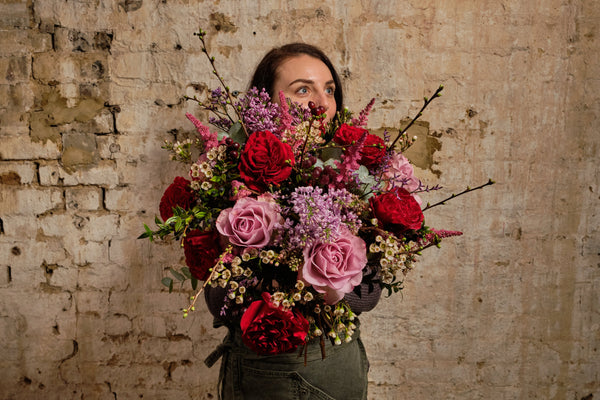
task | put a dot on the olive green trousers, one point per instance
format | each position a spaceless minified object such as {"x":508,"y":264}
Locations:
{"x":341,"y":375}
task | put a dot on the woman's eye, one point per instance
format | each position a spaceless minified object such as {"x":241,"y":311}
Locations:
{"x":302,"y":90}
{"x":330,"y":90}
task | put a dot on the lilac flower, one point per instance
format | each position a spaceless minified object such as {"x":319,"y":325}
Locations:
{"x":257,"y":111}
{"x":314,"y":216}
{"x":223,"y":123}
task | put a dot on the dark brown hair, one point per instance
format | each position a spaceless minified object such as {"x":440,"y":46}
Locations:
{"x":266,"y":71}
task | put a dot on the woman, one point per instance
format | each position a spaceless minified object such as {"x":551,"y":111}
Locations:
{"x":304,"y":74}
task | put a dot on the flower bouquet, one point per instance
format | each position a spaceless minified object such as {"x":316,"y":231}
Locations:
{"x":289,"y":214}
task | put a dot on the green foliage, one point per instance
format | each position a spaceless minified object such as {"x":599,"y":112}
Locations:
{"x":236,"y":132}
{"x":180,"y":276}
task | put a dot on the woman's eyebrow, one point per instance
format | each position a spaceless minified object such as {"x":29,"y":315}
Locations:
{"x":309,"y":81}
{"x":301,"y":80}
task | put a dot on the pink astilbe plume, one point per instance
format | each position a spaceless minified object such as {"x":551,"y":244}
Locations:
{"x":210,"y":139}
{"x":350,"y":158}
{"x":286,"y":119}
{"x":437,"y":235}
{"x":361,"y":121}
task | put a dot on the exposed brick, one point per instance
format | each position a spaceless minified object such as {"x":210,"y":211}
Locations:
{"x":15,"y":14}
{"x":83,"y":198}
{"x":15,"y":173}
{"x":30,"y":201}
{"x":91,"y":89}
{"x":21,"y":147}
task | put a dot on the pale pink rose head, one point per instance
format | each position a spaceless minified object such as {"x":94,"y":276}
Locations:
{"x":249,"y":223}
{"x":334,"y":269}
{"x":400,"y":173}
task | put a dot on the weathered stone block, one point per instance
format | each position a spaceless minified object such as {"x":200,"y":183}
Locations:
{"x":98,"y":275}
{"x":83,"y":198}
{"x":21,"y":147}
{"x":49,"y":173}
{"x":79,"y":150}
{"x":15,"y":15}
{"x":30,"y":201}
{"x":85,"y":252}
{"x":18,"y":173}
{"x":151,"y":326}
{"x":108,"y":148}
{"x":118,"y":325}
{"x":22,"y":42}
{"x":72,"y":40}
{"x":123,"y":199}
{"x":104,"y":174}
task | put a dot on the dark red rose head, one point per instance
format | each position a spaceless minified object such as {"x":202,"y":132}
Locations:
{"x":265,"y":161}
{"x":397,"y":211}
{"x":373,"y":148}
{"x":179,"y":194}
{"x":202,"y":250}
{"x":269,"y":330}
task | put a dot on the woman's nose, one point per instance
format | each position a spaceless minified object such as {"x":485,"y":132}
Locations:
{"x":320,"y":99}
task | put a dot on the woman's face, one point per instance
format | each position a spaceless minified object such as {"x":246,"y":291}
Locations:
{"x":304,"y":78}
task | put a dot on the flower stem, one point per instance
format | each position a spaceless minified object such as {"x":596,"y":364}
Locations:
{"x":467,"y":190}
{"x":426,"y":103}
{"x":211,"y":59}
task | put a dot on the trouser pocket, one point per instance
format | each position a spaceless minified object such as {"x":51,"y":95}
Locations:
{"x":278,"y":385}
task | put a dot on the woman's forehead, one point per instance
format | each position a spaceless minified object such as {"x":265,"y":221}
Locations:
{"x":304,"y":67}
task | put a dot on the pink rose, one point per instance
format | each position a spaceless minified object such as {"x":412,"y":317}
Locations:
{"x":334,"y":269}
{"x":250,"y":223}
{"x":400,"y":173}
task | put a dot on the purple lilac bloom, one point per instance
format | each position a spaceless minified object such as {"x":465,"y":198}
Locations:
{"x":318,"y":216}
{"x":222,"y":123}
{"x":257,"y":111}
{"x":217,"y":96}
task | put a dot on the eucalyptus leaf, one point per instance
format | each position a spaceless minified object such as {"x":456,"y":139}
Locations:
{"x":236,"y":132}
{"x":168,"y":282}
{"x":186,"y":271}
{"x":177,"y":275}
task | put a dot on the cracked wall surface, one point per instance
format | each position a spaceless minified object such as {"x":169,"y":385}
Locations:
{"x":90,"y":89}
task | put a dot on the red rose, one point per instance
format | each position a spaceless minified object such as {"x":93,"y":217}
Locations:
{"x":202,"y":251}
{"x":265,"y":161}
{"x":269,"y":330}
{"x":373,"y":148}
{"x":397,"y":210}
{"x":179,"y":194}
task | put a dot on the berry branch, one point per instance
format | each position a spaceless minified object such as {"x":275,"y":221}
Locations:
{"x":467,"y":190}
{"x":426,"y":103}
{"x":211,"y":59}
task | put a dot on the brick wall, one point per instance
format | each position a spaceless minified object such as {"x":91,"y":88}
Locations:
{"x":90,"y":89}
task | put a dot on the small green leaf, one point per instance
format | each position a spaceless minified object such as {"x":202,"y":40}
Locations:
{"x":236,"y":132}
{"x":168,"y":282}
{"x":194,"y":283}
{"x":186,"y":271}
{"x":177,"y":275}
